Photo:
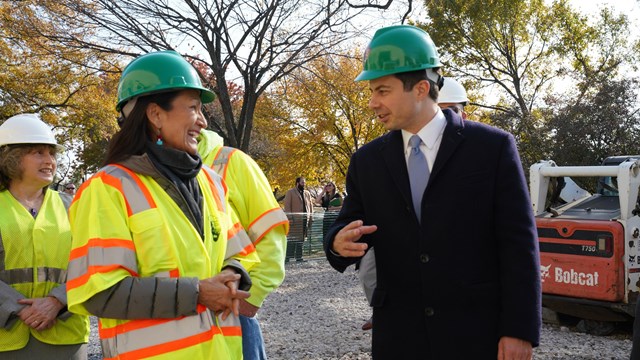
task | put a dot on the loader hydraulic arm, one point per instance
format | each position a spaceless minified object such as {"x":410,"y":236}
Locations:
{"x":627,"y":173}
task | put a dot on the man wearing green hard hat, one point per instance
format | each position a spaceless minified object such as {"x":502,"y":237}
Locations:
{"x":444,"y":203}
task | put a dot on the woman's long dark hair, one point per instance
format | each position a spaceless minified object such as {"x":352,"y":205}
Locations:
{"x":134,"y":130}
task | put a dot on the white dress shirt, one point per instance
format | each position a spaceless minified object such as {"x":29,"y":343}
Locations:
{"x":431,"y":135}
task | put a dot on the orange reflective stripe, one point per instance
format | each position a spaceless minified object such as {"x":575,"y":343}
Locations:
{"x":102,"y":243}
{"x":136,"y":196}
{"x":232,"y":331}
{"x":222,"y":160}
{"x":143,"y":338}
{"x":92,"y":270}
{"x":115,"y":182}
{"x":141,"y":186}
{"x":230,"y":326}
{"x":214,"y":158}
{"x":168,"y":274}
{"x":98,"y":255}
{"x":266,"y":231}
{"x":216,"y":187}
{"x":265,"y":222}
{"x":168,"y":346}
{"x":133,"y":325}
{"x":236,"y":228}
{"x":239,"y":243}
{"x":247,"y":250}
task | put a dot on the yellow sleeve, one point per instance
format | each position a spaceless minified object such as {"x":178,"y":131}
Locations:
{"x":266,"y":224}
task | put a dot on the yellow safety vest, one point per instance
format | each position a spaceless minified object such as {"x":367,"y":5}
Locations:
{"x":124,"y":224}
{"x":256,"y":208}
{"x":35,"y":257}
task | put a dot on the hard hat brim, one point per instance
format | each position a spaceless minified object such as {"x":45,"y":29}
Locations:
{"x":58,"y":147}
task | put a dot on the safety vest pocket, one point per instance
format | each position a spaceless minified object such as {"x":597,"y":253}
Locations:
{"x":155,"y":249}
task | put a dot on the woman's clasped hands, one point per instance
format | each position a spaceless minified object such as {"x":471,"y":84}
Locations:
{"x":220,"y":293}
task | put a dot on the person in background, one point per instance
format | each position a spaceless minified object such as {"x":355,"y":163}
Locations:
{"x":35,"y":242}
{"x":444,"y":203}
{"x":155,"y":254}
{"x":70,"y":189}
{"x":298,"y":205}
{"x":263,"y":219}
{"x":331,"y":201}
{"x":67,"y":194}
{"x":452,"y":96}
{"x":330,"y":198}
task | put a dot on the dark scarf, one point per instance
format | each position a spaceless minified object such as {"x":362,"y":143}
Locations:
{"x":181,"y":169}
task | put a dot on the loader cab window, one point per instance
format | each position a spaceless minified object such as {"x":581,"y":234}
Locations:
{"x":608,"y":186}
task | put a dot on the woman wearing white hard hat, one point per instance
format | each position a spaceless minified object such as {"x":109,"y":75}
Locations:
{"x":35,"y":243}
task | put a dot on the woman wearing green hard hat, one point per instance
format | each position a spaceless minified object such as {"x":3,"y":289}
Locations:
{"x":159,"y":72}
{"x":155,"y":254}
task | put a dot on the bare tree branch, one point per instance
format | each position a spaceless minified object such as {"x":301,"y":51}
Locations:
{"x":248,"y":42}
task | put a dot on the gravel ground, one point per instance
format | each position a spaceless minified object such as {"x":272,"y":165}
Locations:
{"x":317,"y":314}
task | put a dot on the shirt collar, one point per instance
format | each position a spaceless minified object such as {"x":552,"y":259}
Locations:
{"x":430,"y":132}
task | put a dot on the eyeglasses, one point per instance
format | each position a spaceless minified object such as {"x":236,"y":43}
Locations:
{"x":70,"y":188}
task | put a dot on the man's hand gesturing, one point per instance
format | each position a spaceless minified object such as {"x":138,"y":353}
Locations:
{"x":345,"y":243}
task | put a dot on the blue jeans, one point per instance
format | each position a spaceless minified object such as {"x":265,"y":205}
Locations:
{"x":252,"y":341}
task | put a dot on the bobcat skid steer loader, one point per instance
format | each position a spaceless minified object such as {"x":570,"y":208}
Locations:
{"x":590,"y":245}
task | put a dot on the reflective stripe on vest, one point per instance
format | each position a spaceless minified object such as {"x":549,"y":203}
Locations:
{"x":168,"y":274}
{"x":230,"y":326}
{"x":135,"y":193}
{"x":134,"y":339}
{"x":155,"y":337}
{"x":238,"y":240}
{"x":217,"y":187}
{"x":17,"y":276}
{"x":105,"y":254}
{"x":267,"y":221}
{"x":221,"y":160}
{"x":34,"y":255}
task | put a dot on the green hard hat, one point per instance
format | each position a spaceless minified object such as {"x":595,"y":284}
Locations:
{"x":397,"y":49}
{"x":159,"y":72}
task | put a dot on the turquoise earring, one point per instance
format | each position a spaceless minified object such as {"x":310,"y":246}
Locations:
{"x":159,"y":141}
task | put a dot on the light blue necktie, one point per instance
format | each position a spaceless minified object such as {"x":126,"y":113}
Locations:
{"x":418,"y":173}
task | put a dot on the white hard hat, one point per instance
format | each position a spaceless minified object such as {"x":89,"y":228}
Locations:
{"x":27,"y":129}
{"x":452,"y":92}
